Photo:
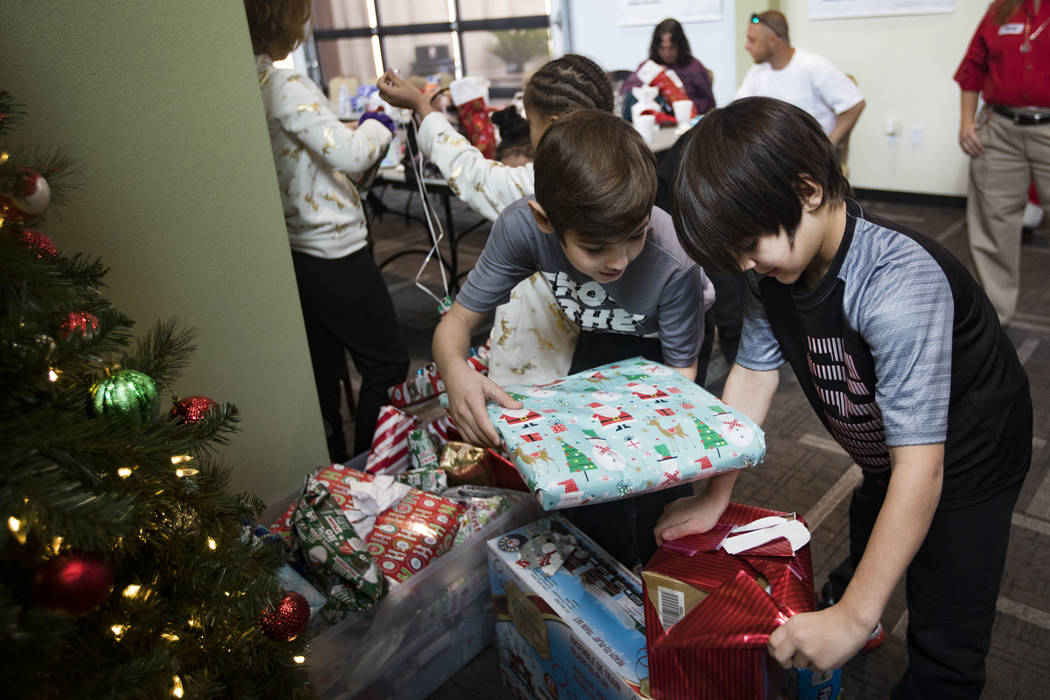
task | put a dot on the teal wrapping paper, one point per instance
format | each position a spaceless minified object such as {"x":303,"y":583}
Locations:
{"x":620,"y":430}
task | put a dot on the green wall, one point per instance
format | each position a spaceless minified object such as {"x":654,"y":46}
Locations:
{"x":160,"y":104}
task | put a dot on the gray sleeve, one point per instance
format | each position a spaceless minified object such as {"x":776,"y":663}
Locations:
{"x":509,"y":256}
{"x":681,"y":314}
{"x":759,"y":349}
{"x":905,"y":313}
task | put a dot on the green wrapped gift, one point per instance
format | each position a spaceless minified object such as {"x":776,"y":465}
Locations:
{"x":336,"y":557}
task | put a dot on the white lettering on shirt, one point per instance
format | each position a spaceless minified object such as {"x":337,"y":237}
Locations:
{"x":591,"y":307}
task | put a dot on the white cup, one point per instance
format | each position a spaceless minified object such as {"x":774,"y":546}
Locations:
{"x":646,"y":126}
{"x":683,"y":111}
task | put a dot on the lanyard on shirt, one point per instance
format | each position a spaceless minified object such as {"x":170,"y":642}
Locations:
{"x":1026,"y":45}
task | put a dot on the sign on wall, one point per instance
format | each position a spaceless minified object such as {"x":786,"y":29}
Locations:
{"x":838,"y":9}
{"x":650,"y":12}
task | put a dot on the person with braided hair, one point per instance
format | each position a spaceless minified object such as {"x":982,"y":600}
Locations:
{"x":488,"y":186}
{"x":532,"y":339}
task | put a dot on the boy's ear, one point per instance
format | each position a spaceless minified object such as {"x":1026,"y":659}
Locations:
{"x":811,"y":192}
{"x":542,"y":220}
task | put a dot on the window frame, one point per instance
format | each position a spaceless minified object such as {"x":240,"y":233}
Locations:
{"x":378,"y":33}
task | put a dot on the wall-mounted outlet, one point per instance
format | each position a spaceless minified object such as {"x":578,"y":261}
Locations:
{"x":893,"y":127}
{"x":917,"y":135}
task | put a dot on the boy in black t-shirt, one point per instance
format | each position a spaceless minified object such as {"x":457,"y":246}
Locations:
{"x":901,"y":355}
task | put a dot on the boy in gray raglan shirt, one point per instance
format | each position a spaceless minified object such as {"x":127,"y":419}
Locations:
{"x":616,"y":268}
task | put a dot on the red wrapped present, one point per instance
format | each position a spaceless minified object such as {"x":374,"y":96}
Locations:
{"x":443,"y":431}
{"x":469,"y":97}
{"x":417,"y":529}
{"x":670,"y":86}
{"x":475,"y":121}
{"x":390,"y":454}
{"x":668,"y":83}
{"x":426,"y":384}
{"x":504,"y":472}
{"x":709,"y":613}
{"x":345,"y":486}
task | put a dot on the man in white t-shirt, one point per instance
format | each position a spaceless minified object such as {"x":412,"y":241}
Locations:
{"x":799,"y":77}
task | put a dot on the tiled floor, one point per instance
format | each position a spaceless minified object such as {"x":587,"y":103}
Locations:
{"x":807,"y":472}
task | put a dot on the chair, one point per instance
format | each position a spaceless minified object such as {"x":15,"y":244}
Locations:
{"x":616,"y":77}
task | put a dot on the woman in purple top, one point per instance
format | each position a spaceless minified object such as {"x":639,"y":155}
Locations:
{"x":670,"y":48}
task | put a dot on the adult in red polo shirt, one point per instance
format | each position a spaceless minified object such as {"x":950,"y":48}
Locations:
{"x":1008,"y":63}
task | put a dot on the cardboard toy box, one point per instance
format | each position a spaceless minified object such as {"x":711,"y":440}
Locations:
{"x":569,"y":620}
{"x":713,"y":599}
{"x":819,"y":686}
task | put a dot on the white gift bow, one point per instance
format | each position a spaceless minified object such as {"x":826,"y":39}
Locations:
{"x":758,"y":532}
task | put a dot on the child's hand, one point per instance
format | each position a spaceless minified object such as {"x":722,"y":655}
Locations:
{"x":819,"y":641}
{"x":688,"y":516}
{"x":401,"y":93}
{"x":467,"y":393}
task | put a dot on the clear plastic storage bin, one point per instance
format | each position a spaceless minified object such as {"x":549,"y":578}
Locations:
{"x":423,"y":631}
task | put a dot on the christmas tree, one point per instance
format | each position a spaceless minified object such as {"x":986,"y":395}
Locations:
{"x":577,"y":461}
{"x":711,"y":439}
{"x":126,"y":570}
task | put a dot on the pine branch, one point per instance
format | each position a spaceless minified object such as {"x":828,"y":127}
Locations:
{"x":12,"y":113}
{"x":164,"y":353}
{"x":83,"y":272}
{"x":53,"y":505}
{"x":59,"y":168}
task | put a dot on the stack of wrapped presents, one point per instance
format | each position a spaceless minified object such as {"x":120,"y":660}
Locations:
{"x":419,"y":555}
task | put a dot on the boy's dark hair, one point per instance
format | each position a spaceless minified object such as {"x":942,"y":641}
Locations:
{"x":742,"y":176}
{"x":595,"y":175}
{"x":674,"y":28}
{"x":567,"y":83}
{"x":276,"y":26}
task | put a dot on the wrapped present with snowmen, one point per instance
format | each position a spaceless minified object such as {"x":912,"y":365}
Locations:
{"x":620,"y":430}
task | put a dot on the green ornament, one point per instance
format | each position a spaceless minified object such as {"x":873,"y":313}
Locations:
{"x":126,"y":393}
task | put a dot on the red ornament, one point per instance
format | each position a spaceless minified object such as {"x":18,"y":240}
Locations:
{"x":288,"y":620}
{"x":31,"y":197}
{"x":31,"y":238}
{"x":82,"y":323}
{"x":74,"y":583}
{"x":192,"y":409}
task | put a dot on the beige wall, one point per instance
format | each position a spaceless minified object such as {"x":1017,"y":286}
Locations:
{"x":159,"y":103}
{"x":742,"y":13}
{"x":904,"y":66}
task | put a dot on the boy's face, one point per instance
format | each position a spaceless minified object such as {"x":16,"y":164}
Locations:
{"x":809,"y":252}
{"x":602,"y":261}
{"x":781,"y":257}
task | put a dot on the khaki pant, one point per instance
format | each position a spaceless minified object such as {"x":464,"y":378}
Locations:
{"x":995,"y":200}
